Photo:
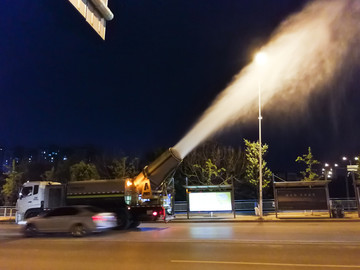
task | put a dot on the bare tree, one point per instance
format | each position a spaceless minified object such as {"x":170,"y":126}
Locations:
{"x":212,"y":163}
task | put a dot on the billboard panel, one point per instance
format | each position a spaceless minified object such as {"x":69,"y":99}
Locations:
{"x":302,"y":199}
{"x":210,"y":201}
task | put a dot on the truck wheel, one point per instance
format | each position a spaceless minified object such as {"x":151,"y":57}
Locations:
{"x":78,"y":230}
{"x":123,"y":220}
{"x":135,"y":224}
{"x":30,"y":230}
{"x":31,"y":213}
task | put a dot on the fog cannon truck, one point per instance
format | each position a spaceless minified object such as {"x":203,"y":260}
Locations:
{"x":143,"y":198}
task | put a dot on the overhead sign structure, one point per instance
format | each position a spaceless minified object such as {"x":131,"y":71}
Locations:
{"x":96,"y":13}
{"x":352,"y":168}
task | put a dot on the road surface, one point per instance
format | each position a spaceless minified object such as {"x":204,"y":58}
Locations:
{"x":253,"y":245}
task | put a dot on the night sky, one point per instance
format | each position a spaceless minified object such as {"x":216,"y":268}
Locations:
{"x":160,"y":67}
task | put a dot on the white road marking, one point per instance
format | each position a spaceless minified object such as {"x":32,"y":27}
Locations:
{"x":269,"y":264}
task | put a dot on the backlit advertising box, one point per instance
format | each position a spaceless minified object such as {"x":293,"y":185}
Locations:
{"x":210,"y":201}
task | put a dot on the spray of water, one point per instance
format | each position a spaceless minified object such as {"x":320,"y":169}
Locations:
{"x":307,"y":53}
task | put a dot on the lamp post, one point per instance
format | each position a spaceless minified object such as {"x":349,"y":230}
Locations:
{"x":346,"y":180}
{"x":260,"y":59}
{"x":328,"y":170}
{"x":347,"y":186}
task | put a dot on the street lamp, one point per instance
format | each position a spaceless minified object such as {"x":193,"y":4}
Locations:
{"x":260,"y":59}
{"x":328,"y":171}
{"x":346,"y":179}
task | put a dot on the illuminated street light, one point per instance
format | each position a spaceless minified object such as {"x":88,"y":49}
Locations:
{"x":260,"y":59}
{"x":345,"y":158}
{"x":327,"y":171}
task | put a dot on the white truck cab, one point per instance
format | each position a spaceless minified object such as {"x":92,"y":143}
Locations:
{"x":37,"y":196}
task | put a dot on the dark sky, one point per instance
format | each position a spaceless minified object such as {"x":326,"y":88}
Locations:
{"x":162,"y":64}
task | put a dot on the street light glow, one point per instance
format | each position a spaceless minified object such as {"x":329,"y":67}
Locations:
{"x":261,"y":58}
{"x":345,"y":158}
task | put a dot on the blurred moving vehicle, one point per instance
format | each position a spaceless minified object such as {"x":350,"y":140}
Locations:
{"x":76,"y":220}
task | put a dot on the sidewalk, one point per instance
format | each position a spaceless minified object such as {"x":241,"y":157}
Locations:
{"x":241,"y":217}
{"x":268,"y":217}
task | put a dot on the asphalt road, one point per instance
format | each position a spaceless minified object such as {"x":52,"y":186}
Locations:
{"x":271,"y":245}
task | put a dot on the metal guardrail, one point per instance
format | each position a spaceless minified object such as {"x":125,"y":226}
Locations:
{"x":7,"y":211}
{"x":269,"y":205}
{"x":348,"y":205}
{"x":240,"y":205}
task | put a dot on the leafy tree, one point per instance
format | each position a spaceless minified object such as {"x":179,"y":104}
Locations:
{"x":13,"y":181}
{"x":83,"y":171}
{"x":60,"y":172}
{"x":124,"y":168}
{"x":208,"y":173}
{"x":49,"y":175}
{"x":34,"y":170}
{"x":308,"y":159}
{"x":252,"y":164}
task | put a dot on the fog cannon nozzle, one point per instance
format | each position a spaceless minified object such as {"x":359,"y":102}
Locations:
{"x":161,"y":168}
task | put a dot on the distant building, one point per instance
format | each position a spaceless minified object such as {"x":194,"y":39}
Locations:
{"x":47,"y":155}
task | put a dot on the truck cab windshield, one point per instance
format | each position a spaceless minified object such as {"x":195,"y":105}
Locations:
{"x":26,"y":191}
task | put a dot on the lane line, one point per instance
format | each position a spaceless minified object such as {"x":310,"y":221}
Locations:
{"x":269,"y":264}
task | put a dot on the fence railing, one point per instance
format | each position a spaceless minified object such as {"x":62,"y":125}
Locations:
{"x":7,"y":211}
{"x":240,"y":205}
{"x":269,"y":205}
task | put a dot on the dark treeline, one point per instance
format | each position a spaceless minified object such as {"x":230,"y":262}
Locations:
{"x":210,"y":164}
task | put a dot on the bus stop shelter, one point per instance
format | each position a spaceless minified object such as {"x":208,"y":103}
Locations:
{"x":212,"y":198}
{"x":301,"y":195}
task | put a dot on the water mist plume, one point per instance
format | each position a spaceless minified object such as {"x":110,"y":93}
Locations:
{"x":306,"y":54}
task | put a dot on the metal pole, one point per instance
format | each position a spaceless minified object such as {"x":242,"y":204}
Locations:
{"x":187,"y":198}
{"x":347,"y":189}
{"x":355,"y":191}
{"x":233,"y":198}
{"x":187,"y":204}
{"x":347,"y":193}
{"x":328,"y":199}
{"x":260,"y":158}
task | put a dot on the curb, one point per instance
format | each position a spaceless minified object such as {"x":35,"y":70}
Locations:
{"x":7,"y":220}
{"x":264,"y":220}
{"x":285,"y":217}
